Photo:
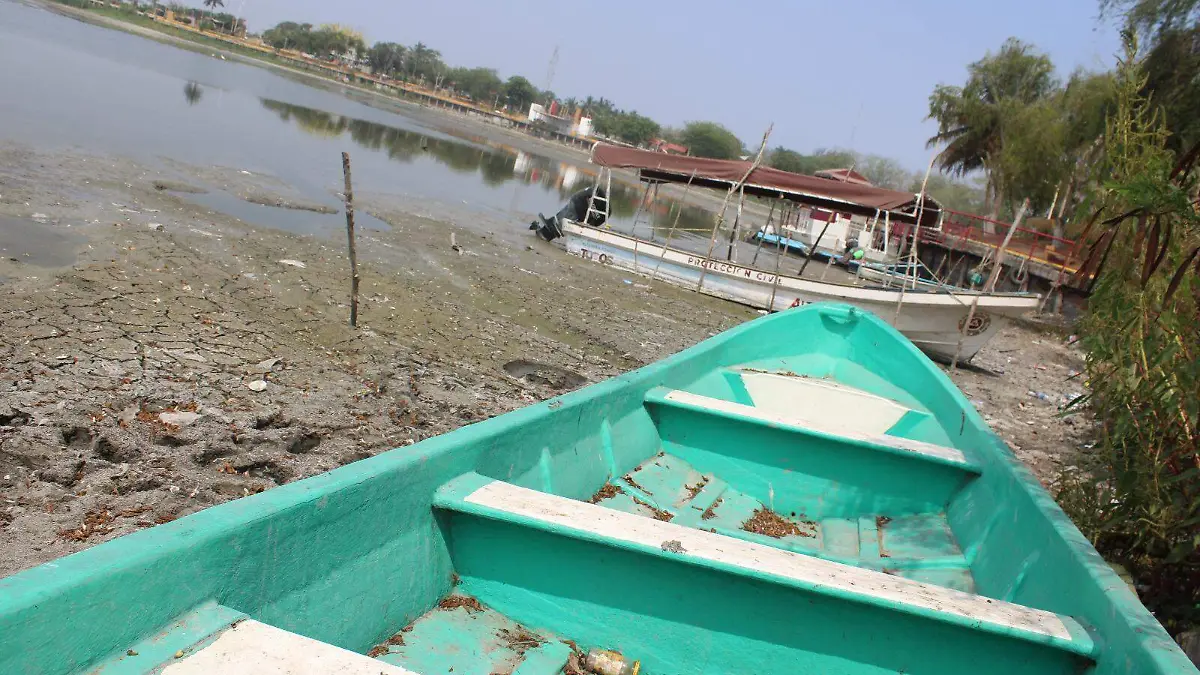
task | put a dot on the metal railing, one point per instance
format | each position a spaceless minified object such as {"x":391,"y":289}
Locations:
{"x":979,"y":234}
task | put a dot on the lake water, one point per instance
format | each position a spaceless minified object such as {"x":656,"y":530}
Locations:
{"x":69,"y":84}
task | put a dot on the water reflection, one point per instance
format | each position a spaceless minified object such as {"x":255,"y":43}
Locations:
{"x":193,"y":92}
{"x":497,"y":165}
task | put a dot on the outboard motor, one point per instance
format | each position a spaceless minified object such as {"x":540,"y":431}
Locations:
{"x":574,"y":210}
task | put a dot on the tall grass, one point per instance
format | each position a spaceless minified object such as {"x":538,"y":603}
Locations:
{"x":1136,"y":494}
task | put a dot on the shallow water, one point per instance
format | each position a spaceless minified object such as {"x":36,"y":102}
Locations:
{"x":102,"y":90}
{"x":29,"y":242}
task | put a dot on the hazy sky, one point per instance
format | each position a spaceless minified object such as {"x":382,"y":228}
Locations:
{"x":828,"y":73}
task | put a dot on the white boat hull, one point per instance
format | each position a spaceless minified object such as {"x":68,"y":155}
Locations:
{"x":934,"y":322}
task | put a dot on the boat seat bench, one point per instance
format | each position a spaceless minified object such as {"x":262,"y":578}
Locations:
{"x":678,"y":400}
{"x":819,"y":398}
{"x":253,"y":648}
{"x":213,"y":638}
{"x":482,"y":497}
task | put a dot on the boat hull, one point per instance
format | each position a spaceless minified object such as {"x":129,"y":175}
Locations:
{"x":629,"y":516}
{"x":935,"y":322}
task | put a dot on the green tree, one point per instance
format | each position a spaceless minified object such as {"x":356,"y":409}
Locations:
{"x":520,"y":93}
{"x":976,"y":119}
{"x":637,"y":129}
{"x":1172,"y":66}
{"x":424,"y":62}
{"x":386,"y":58}
{"x":213,"y":4}
{"x":795,"y":162}
{"x":788,"y":160}
{"x":1153,"y":17}
{"x":1173,"y":82}
{"x":1136,"y":494}
{"x":952,"y":194}
{"x":481,"y":84}
{"x":884,"y":172}
{"x":628,"y":126}
{"x":709,"y":139}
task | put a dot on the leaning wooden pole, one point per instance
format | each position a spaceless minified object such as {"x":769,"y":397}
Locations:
{"x":1062,"y":270}
{"x":736,"y":187}
{"x":674,"y":225}
{"x":349,"y":195}
{"x":988,"y":287}
{"x":778,"y":263}
{"x":814,"y":246}
{"x":912,"y":248}
{"x":737,"y":221}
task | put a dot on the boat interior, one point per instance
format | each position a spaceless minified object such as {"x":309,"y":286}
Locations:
{"x":805,"y":493}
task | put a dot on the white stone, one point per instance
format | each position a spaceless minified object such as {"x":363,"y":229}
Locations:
{"x":179,"y":419}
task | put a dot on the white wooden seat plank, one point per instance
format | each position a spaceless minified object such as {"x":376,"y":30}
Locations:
{"x":788,"y":419}
{"x":817,"y":398}
{"x":819,"y":575}
{"x":254,"y":648}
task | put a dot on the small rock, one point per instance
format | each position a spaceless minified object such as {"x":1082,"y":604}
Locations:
{"x":257,"y":385}
{"x":266,"y":366}
{"x":673,"y":546}
{"x":293,"y":263}
{"x":157,"y":227}
{"x":179,"y":419}
{"x":129,"y":414}
{"x":40,"y":217}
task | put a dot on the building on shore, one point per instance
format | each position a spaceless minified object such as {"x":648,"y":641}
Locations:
{"x":575,"y":125}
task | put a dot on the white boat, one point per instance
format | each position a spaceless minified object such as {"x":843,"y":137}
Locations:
{"x":936,"y":322}
{"x":946,"y":323}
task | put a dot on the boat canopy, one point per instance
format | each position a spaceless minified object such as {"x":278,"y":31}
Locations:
{"x":763,"y":181}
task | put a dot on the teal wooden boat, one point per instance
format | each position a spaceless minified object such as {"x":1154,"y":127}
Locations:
{"x":805,"y":493}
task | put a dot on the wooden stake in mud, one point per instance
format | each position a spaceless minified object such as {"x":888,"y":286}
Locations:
{"x":349,"y":193}
{"x":990,"y":286}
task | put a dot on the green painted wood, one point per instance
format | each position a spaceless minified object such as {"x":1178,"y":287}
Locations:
{"x":686,"y":619}
{"x":792,"y":469}
{"x":467,"y":532}
{"x":352,"y":556}
{"x":186,"y":635}
{"x":548,"y":659}
{"x":471,"y":642}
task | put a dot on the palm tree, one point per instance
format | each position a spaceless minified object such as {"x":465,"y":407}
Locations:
{"x":971,"y":118}
{"x":423,"y":61}
{"x":212,"y":5}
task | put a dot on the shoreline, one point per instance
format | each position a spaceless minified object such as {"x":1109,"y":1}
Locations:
{"x":438,"y":118}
